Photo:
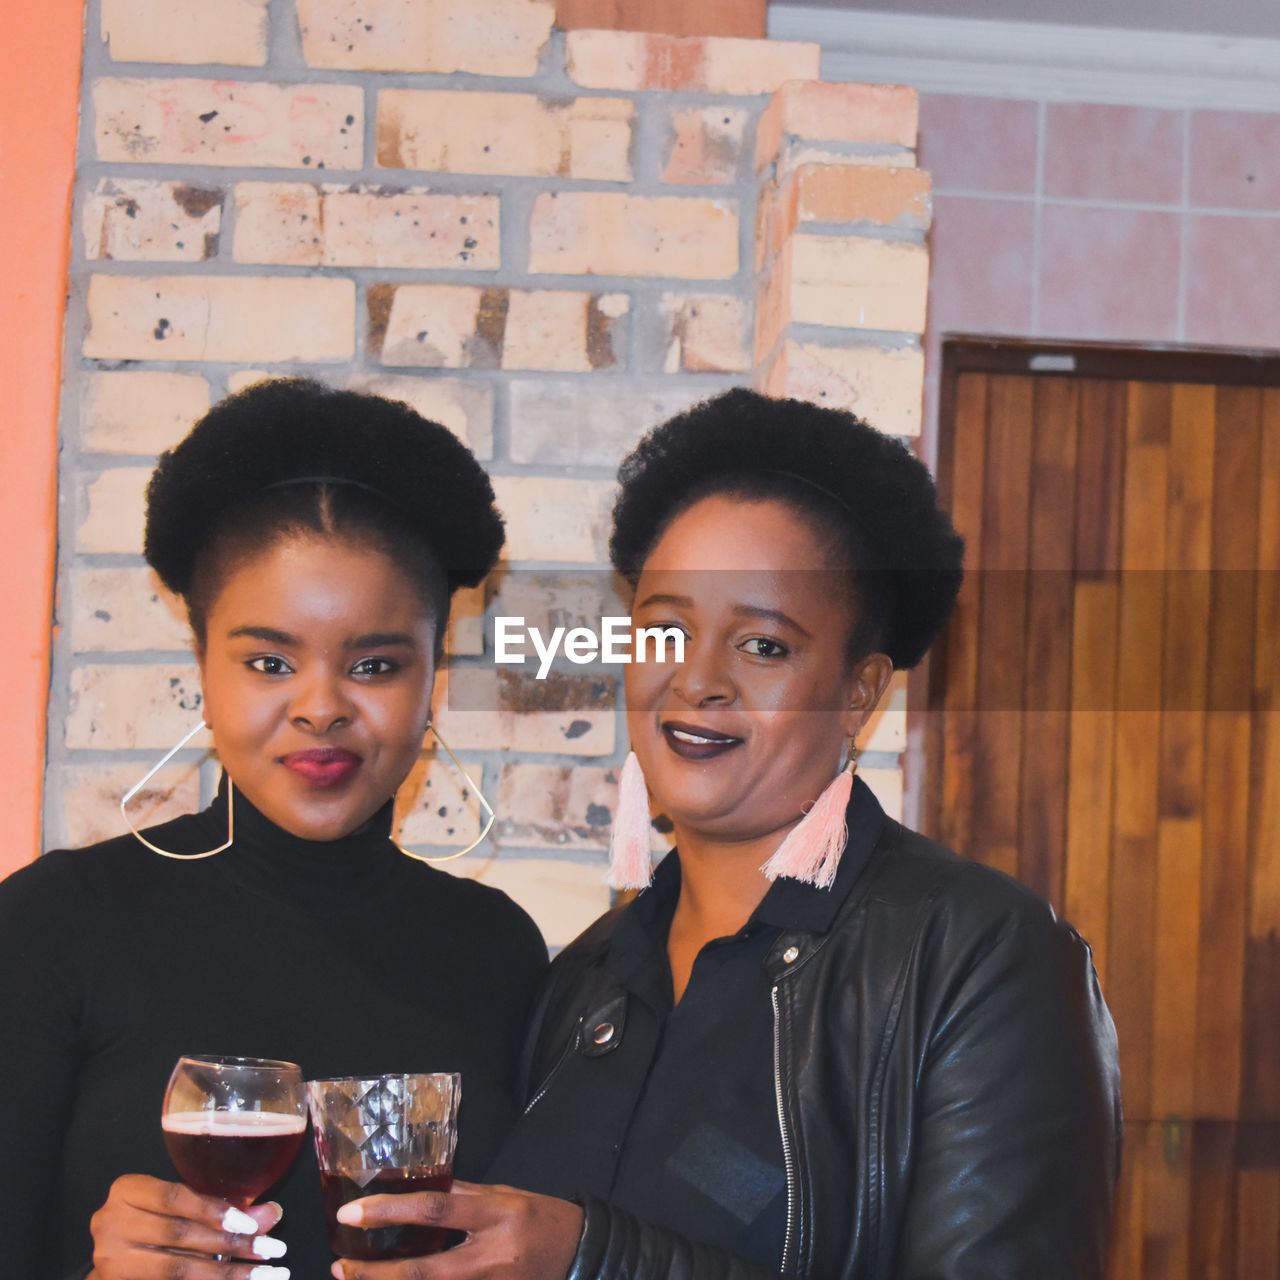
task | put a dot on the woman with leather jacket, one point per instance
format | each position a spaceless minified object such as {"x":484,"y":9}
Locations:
{"x":817,"y":1044}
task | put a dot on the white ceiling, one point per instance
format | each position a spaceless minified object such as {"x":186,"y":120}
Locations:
{"x":1256,"y":18}
{"x":1073,"y":51}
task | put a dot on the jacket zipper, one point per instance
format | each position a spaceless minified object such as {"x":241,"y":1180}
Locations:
{"x":569,"y":1047}
{"x":787,"y":1154}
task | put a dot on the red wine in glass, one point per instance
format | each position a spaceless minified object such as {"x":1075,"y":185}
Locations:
{"x":233,"y":1125}
{"x":375,"y":1135}
{"x":375,"y":1244}
{"x":236,"y":1155}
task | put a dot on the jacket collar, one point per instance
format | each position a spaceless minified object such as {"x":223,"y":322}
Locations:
{"x":792,"y":904}
{"x":789,"y":905}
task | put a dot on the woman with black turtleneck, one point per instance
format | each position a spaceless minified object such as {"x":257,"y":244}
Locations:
{"x":316,"y":537}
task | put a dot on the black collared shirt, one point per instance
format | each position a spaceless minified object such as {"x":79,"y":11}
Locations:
{"x":698,"y":1142}
{"x":670,"y":1110}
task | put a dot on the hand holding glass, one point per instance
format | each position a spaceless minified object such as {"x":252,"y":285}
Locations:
{"x":379,"y":1135}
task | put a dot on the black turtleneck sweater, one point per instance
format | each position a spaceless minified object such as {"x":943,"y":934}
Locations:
{"x":346,"y":957}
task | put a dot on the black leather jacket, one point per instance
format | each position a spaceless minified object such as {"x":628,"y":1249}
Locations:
{"x":947,"y":1083}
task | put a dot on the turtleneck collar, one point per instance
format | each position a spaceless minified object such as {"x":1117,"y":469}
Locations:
{"x":313,"y":873}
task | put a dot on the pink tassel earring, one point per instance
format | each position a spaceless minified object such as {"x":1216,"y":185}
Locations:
{"x":812,"y":851}
{"x":629,"y":861}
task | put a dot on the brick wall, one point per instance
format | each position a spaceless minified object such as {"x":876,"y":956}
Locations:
{"x":548,"y":241}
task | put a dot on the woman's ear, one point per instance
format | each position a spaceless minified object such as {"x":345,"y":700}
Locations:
{"x":868,"y":680}
{"x":201,"y":654}
{"x":438,"y":696}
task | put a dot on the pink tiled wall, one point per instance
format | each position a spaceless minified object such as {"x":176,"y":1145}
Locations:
{"x":1128,"y":224}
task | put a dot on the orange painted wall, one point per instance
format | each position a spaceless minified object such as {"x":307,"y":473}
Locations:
{"x":39,"y":109}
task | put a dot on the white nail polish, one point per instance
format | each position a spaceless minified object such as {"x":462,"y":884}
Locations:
{"x":269,"y":1273}
{"x":239,"y":1224}
{"x":269,"y":1247}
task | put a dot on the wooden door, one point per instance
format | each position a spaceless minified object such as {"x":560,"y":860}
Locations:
{"x":1104,"y":723}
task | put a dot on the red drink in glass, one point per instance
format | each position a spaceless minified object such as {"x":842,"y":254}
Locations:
{"x":378,"y":1243}
{"x":236,"y":1155}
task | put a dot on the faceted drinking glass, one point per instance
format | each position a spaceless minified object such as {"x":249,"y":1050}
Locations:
{"x":380,"y":1134}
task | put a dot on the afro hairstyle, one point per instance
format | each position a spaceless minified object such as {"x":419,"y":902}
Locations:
{"x":250,"y":458}
{"x":852,"y":481}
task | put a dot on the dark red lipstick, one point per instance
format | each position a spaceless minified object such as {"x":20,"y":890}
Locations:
{"x":323,"y":766}
{"x":697,"y":742}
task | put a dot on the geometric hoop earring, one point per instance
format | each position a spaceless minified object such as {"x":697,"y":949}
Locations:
{"x":484,"y":804}
{"x":151,"y":773}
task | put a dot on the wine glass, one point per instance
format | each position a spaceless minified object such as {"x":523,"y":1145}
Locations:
{"x":233,"y":1125}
